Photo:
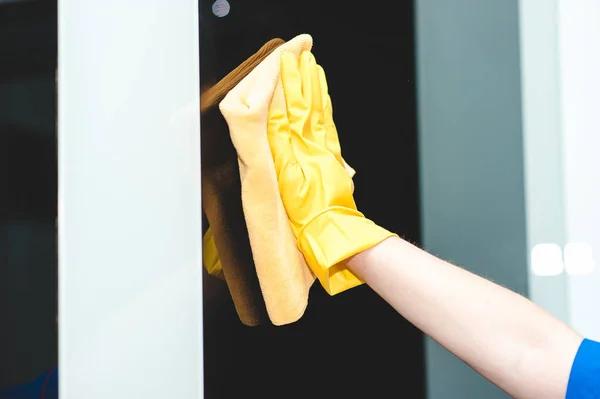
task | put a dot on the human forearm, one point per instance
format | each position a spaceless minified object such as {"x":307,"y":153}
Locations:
{"x":505,"y":337}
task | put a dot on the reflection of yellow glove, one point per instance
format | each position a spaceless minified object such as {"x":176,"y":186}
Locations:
{"x":210,"y":256}
{"x":315,"y":185}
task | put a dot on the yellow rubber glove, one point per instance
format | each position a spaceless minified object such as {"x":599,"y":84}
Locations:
{"x":315,"y":186}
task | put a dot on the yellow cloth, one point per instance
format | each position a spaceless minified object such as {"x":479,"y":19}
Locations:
{"x":313,"y":180}
{"x":285,"y":278}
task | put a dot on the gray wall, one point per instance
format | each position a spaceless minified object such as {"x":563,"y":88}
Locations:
{"x":471,"y":154}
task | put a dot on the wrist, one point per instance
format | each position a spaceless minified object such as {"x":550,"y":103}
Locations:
{"x":335,"y":235}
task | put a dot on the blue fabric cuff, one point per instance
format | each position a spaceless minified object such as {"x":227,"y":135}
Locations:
{"x":584,"y":381}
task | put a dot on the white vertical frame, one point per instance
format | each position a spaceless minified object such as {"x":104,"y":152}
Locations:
{"x":129,"y":200}
{"x":560,"y":60}
{"x":543,"y":148}
{"x":579,"y":60}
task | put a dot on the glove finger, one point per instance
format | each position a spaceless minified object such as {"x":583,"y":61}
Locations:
{"x":331,"y":137}
{"x":280,"y":139}
{"x":297,"y":107}
{"x":306,"y":62}
{"x":323,"y":86}
{"x":317,"y":105}
{"x":317,"y":109}
{"x":326,"y":114}
{"x":332,"y":142}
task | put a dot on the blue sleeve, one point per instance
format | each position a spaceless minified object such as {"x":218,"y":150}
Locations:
{"x":43,"y":387}
{"x":584,"y":381}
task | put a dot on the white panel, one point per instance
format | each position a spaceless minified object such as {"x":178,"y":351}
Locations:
{"x":579,"y":33}
{"x":542,"y":153}
{"x":129,"y":200}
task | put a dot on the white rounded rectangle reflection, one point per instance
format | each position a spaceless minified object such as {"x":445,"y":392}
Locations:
{"x":546,"y":260}
{"x":579,"y":259}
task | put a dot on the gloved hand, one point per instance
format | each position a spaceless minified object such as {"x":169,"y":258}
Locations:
{"x":315,"y":184}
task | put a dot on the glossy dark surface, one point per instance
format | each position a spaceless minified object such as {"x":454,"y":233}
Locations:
{"x":368,"y":56}
{"x":28,"y":259}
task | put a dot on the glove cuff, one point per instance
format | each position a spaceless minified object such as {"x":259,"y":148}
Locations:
{"x":332,"y":237}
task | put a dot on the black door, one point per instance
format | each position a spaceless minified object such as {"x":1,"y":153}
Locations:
{"x":352,"y":345}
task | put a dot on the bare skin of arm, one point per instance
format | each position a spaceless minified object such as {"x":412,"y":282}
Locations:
{"x":503,"y":336}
